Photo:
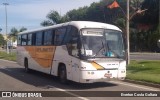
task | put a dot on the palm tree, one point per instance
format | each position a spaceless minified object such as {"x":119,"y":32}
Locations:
{"x":53,"y":18}
{"x":14,"y":32}
{"x":22,"y":29}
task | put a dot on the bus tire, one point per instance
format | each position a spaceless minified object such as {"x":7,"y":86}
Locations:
{"x":62,"y":74}
{"x":26,"y":65}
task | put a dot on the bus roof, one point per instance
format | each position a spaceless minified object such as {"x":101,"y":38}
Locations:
{"x":78,"y":24}
{"x":89,"y":24}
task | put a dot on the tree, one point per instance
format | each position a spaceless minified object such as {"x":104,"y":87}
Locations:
{"x":22,"y":29}
{"x":151,"y":16}
{"x":141,"y":12}
{"x":46,"y":23}
{"x":147,"y":25}
{"x":77,"y":14}
{"x":2,"y":41}
{"x":95,"y":12}
{"x":52,"y":18}
{"x":14,"y":32}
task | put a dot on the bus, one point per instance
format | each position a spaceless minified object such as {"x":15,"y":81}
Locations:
{"x":80,"y":51}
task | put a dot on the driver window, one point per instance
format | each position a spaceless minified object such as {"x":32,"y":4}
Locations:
{"x":74,"y":42}
{"x":72,"y":46}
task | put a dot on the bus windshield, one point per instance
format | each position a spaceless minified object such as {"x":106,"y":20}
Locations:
{"x":102,"y":43}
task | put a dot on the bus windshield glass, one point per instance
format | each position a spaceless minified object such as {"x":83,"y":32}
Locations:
{"x":102,"y":43}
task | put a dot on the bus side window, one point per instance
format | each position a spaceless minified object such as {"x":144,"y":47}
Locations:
{"x":53,"y":37}
{"x":24,"y":39}
{"x":67,"y":36}
{"x":73,"y":44}
{"x":33,"y":38}
{"x":29,"y":39}
{"x":19,"y":40}
{"x":48,"y":37}
{"x":59,"y":36}
{"x":39,"y":39}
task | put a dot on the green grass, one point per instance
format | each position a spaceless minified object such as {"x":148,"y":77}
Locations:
{"x":10,"y":56}
{"x":148,"y":71}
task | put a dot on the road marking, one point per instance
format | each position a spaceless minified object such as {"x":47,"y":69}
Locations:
{"x":5,"y":68}
{"x":132,"y":85}
{"x":59,"y":89}
{"x":83,"y":98}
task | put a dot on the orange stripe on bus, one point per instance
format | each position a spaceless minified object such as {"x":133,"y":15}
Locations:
{"x":97,"y":66}
{"x":43,"y":55}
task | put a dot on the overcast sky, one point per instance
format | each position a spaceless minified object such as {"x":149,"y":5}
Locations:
{"x":30,"y":13}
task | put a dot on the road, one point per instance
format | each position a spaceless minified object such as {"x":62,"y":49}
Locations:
{"x":13,"y":78}
{"x":145,"y":56}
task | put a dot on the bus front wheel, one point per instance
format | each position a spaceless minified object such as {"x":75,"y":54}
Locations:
{"x":62,"y":74}
{"x":26,"y":65}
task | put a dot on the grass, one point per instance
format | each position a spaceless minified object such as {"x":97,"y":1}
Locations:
{"x":11,"y":56}
{"x":148,"y":71}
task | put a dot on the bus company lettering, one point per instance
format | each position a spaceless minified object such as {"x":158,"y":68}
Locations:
{"x":44,"y":49}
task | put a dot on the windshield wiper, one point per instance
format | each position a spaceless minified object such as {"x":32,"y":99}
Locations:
{"x":103,"y":47}
{"x":112,"y":51}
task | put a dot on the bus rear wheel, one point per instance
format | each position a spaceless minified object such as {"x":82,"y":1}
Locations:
{"x":62,"y":74}
{"x":26,"y":65}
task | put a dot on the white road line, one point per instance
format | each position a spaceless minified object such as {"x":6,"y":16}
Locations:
{"x":59,"y":89}
{"x":83,"y":98}
{"x":137,"y":86}
{"x":5,"y":68}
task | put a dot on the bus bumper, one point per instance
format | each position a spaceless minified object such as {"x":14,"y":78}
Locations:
{"x":102,"y":76}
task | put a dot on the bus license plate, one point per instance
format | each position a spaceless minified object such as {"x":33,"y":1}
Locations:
{"x":108,"y":75}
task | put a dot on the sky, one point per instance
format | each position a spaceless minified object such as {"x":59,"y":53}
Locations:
{"x":30,"y":13}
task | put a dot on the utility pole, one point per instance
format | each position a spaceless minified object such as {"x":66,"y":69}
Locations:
{"x":127,"y":31}
{"x":6,"y":4}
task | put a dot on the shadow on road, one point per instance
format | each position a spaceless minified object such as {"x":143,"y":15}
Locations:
{"x":45,"y":81}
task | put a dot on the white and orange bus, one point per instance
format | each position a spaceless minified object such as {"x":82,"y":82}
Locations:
{"x":79,"y":51}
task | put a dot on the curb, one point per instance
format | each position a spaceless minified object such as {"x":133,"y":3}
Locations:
{"x":143,"y":83}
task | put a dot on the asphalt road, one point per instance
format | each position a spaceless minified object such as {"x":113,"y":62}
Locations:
{"x":145,"y":56}
{"x":13,"y":78}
